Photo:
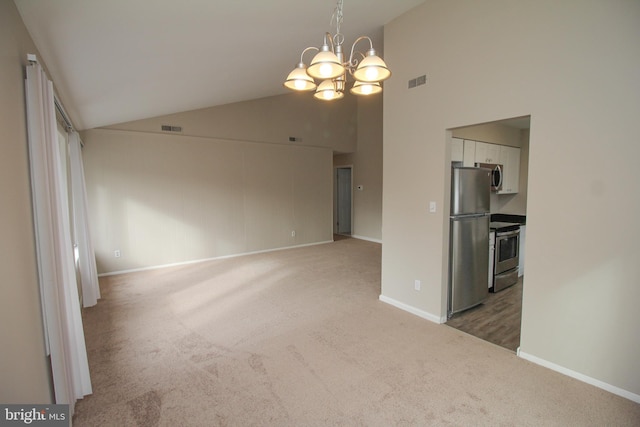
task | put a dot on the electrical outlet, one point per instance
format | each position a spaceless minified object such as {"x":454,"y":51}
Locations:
{"x":417,"y":284}
{"x":293,"y":233}
{"x":116,"y":253}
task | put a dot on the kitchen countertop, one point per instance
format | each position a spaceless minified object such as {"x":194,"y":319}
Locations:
{"x":509,"y":218}
{"x":503,"y":226}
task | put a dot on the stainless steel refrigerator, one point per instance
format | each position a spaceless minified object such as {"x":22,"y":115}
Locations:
{"x":469,"y":238}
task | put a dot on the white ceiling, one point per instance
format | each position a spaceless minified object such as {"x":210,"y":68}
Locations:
{"x":114,"y":61}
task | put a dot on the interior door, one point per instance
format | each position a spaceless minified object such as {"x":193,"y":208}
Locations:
{"x":343,"y":200}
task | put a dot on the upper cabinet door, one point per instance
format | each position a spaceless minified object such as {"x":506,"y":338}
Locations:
{"x":510,"y":160}
{"x":457,"y":150}
{"x":469,"y":153}
{"x":487,"y":153}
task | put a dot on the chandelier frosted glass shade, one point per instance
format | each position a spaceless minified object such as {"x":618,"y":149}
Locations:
{"x":325,"y":65}
{"x":371,"y":69}
{"x":327,"y":91}
{"x":366,"y":88}
{"x":298,"y":79}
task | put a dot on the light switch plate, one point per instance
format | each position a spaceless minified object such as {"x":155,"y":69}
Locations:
{"x":432,"y":207}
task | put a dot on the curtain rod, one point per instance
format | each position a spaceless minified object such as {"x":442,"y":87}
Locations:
{"x":63,"y":114}
{"x":31,"y":58}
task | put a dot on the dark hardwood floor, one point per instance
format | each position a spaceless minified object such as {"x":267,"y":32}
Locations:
{"x":497,"y":320}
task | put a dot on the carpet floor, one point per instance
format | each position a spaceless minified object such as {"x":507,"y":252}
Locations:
{"x":298,"y":337}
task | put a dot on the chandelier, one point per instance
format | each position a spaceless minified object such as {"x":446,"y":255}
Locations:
{"x":330,"y":68}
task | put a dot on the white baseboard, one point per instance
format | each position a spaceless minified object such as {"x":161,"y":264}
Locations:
{"x":155,"y":267}
{"x":369,"y":239}
{"x":581,"y":377}
{"x":420,"y":313}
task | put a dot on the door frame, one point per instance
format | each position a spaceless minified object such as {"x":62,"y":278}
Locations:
{"x":335,"y":197}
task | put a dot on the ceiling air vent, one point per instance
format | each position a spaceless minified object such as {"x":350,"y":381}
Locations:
{"x":167,"y":128}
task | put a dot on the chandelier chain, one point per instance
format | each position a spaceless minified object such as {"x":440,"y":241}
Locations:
{"x":337,"y":17}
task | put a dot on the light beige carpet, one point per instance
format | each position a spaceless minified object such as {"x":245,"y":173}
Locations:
{"x":299,"y":338}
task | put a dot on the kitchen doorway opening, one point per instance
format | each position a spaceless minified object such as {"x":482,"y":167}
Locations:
{"x":343,"y":201}
{"x":498,"y":319}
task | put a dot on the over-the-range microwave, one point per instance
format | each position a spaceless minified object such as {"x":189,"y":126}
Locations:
{"x":497,"y":172}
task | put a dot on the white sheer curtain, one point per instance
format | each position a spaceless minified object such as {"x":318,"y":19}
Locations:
{"x":86,"y":254}
{"x":56,"y":265}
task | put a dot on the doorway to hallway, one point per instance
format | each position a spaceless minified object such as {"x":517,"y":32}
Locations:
{"x":342,"y":200}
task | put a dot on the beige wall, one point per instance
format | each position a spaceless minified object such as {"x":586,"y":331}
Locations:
{"x":23,"y":369}
{"x":162,"y":199}
{"x":273,"y":120}
{"x":573,"y":66}
{"x":494,"y":133}
{"x":367,"y":170}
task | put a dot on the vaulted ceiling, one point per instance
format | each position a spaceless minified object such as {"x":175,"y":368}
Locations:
{"x":114,"y":61}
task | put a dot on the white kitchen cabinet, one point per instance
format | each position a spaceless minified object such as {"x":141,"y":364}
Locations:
{"x":487,"y":153}
{"x":469,"y":153}
{"x":510,"y":161}
{"x":457,"y":150}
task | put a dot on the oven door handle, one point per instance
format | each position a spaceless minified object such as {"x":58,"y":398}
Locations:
{"x":503,"y":234}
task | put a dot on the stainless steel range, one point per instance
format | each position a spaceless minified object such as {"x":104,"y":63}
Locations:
{"x":506,"y":255}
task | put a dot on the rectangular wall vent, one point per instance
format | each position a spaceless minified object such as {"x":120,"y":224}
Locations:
{"x":418,"y":81}
{"x":167,"y":128}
